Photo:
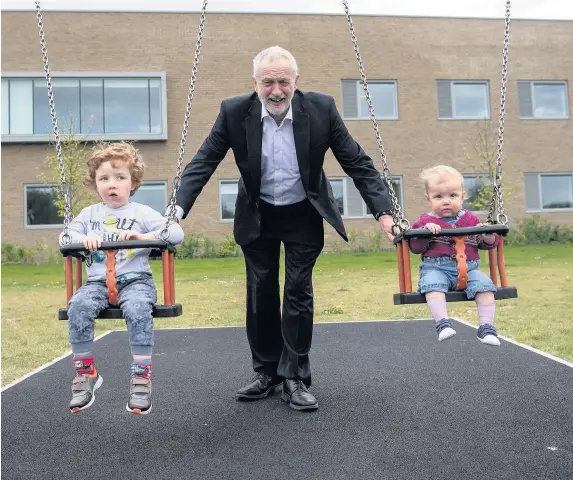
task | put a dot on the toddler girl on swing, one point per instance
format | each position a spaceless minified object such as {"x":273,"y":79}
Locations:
{"x":445,"y":194}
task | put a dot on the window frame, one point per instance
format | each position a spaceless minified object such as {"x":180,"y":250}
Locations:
{"x":453,"y":82}
{"x":163,"y":183}
{"x":360,"y":94}
{"x":532,"y":84}
{"x":365,"y":213}
{"x":474,"y":175}
{"x":53,"y":226}
{"x":540,"y":209}
{"x":89,"y":137}
{"x":221,"y":182}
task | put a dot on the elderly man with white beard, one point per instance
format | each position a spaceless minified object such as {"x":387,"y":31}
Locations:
{"x":279,"y":136}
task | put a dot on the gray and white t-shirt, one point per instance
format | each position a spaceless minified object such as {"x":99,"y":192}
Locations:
{"x":108,"y":223}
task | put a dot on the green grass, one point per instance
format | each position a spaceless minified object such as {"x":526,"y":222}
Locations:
{"x":347,"y":287}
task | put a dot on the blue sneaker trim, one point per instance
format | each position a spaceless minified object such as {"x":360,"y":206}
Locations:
{"x":443,"y":323}
{"x":486,"y":329}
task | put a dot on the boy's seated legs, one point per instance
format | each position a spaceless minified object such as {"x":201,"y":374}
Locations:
{"x":136,"y":300}
{"x":85,"y":306}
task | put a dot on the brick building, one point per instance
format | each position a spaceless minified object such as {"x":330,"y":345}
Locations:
{"x":432,"y":80}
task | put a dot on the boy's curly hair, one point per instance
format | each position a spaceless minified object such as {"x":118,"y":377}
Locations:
{"x":119,"y":154}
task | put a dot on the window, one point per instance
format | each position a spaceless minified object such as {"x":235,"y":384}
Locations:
{"x":478,"y":192}
{"x":465,"y":100}
{"x":228,"y":191}
{"x":345,"y":193}
{"x":348,"y":198}
{"x":548,"y":191}
{"x":152,"y":194}
{"x":129,"y":106}
{"x":382,"y":93}
{"x":542,"y":99}
{"x":40,"y":208}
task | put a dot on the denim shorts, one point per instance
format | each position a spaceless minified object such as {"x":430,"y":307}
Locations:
{"x":440,"y":274}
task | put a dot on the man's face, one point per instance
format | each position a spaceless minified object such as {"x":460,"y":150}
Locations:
{"x":275,"y":84}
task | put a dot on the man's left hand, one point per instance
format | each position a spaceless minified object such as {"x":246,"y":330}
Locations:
{"x":386,"y":223}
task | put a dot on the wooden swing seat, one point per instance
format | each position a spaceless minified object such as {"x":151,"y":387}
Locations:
{"x":496,"y":257}
{"x":159,"y":248}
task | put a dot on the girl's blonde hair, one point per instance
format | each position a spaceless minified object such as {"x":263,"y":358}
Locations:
{"x":440,"y":172}
{"x":119,"y":154}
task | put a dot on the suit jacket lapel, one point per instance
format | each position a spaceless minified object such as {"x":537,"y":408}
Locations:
{"x":254,"y":128}
{"x":301,"y":130}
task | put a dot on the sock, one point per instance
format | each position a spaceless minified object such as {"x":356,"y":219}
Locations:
{"x":438,"y":308}
{"x":486,"y":311}
{"x":84,"y":363}
{"x":141,"y":367}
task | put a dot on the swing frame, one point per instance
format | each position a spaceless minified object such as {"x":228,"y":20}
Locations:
{"x":169,"y":309}
{"x":496,"y":221}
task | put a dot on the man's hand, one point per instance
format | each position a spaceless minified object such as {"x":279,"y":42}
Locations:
{"x":386,"y":223}
{"x":92,"y":242}
{"x":433,"y":227}
{"x":488,"y":238}
{"x":129,"y":235}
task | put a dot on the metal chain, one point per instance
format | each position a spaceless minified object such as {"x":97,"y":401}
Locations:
{"x":400,"y":223}
{"x":64,"y":187}
{"x":177,"y":180}
{"x":496,"y":211}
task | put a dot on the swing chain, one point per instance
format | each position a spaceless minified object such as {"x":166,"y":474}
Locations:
{"x":496,"y":210}
{"x":64,"y":187}
{"x":400,"y":223}
{"x":171,"y":218}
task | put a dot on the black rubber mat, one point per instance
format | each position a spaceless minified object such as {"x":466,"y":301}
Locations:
{"x":394,"y":404}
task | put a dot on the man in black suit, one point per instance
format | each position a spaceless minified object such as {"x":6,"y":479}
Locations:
{"x":279,"y":137}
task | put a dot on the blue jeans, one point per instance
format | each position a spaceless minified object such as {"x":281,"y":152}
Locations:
{"x":440,"y":274}
{"x":137,"y":296}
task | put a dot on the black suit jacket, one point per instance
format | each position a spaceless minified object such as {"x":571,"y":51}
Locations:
{"x":317,"y":126}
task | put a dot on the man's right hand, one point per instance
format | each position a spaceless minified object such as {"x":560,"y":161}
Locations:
{"x":178,"y":212}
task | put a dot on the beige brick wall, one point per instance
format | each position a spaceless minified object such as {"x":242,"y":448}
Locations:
{"x":415,"y":51}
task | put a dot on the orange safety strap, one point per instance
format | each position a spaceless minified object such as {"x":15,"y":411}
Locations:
{"x":110,"y":280}
{"x":461,"y":260}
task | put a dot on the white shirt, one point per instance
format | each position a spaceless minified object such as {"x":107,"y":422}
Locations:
{"x":280,"y":176}
{"x":281,"y":183}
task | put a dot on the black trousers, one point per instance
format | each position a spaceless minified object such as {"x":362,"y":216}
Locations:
{"x":280,"y":344}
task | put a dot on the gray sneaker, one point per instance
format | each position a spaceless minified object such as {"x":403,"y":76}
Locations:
{"x":139,"y":395}
{"x":83,"y":391}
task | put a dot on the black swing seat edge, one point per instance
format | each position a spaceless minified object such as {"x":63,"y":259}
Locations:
{"x":78,"y":250}
{"x":452,"y":232}
{"x":503,"y":293}
{"x":159,"y":311}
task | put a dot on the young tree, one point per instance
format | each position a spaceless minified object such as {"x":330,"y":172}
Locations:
{"x":482,"y":158}
{"x":75,"y":153}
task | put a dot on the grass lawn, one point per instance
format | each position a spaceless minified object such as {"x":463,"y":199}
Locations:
{"x":347,"y":287}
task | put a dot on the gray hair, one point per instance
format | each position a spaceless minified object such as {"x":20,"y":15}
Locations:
{"x":274,"y":53}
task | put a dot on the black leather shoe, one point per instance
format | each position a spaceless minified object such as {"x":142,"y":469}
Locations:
{"x":261,"y":386}
{"x":296,"y":393}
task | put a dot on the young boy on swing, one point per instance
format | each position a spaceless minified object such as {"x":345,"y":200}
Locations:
{"x":438,"y":270}
{"x":115,"y":172}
